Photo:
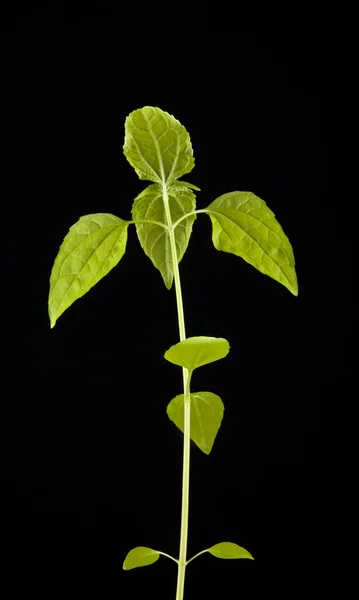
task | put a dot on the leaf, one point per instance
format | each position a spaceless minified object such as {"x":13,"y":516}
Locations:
{"x":195,"y":352}
{"x":243,"y":225}
{"x":92,"y":247}
{"x":155,"y":239}
{"x":206,"y":416}
{"x":229,"y":550}
{"x":140,"y":557}
{"x":157,"y":146}
{"x":185,"y":184}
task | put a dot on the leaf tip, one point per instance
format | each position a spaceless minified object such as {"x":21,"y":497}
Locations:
{"x":168,"y":283}
{"x":206,"y":449}
{"x":294,"y":288}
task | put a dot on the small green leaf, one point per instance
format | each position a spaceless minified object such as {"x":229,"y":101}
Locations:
{"x":185,"y":184}
{"x":206,"y":417}
{"x":154,"y":238}
{"x":140,"y":557}
{"x":229,"y":550}
{"x":157,"y":146}
{"x":195,"y":352}
{"x":242,"y":224}
{"x":92,"y":247}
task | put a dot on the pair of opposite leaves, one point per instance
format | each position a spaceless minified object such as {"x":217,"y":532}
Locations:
{"x":160,"y":150}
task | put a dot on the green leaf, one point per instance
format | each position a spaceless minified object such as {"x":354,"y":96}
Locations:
{"x":185,"y":184}
{"x":229,"y":550}
{"x":157,"y":146}
{"x":140,"y":557}
{"x":244,"y":225}
{"x":92,"y":247}
{"x":154,"y":238}
{"x":195,"y":352}
{"x":206,"y":416}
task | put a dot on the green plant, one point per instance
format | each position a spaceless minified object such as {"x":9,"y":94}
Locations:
{"x":160,"y":150}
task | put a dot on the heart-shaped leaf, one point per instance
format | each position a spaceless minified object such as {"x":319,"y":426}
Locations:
{"x":206,"y":417}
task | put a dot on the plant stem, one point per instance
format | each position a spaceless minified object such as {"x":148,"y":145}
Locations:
{"x":187,"y":409}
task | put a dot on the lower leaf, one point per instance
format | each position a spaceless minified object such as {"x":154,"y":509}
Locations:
{"x":229,"y":550}
{"x":140,"y":557}
{"x":206,"y":416}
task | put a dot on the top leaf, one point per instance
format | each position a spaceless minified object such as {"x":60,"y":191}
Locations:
{"x":157,"y":146}
{"x":194,"y":352}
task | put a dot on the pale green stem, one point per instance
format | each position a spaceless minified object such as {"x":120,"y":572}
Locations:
{"x":193,"y":212}
{"x":168,"y":556}
{"x":187,"y":408}
{"x":195,"y":556}
{"x":174,"y":225}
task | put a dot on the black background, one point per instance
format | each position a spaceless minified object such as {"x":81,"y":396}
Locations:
{"x":90,"y":464}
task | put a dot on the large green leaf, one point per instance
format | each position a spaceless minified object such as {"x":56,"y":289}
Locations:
{"x":157,"y":146}
{"x":92,"y":247}
{"x":140,"y":557}
{"x":229,"y":550}
{"x":155,"y":239}
{"x":194,"y":352}
{"x":244,"y":225}
{"x":206,"y":416}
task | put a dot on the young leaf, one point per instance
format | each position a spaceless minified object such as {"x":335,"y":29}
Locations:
{"x":153,"y":238}
{"x":206,"y":416}
{"x":92,"y":247}
{"x":229,"y":550}
{"x":140,"y":557}
{"x":242,"y":224}
{"x":185,"y":184}
{"x":195,"y":352}
{"x":157,"y":146}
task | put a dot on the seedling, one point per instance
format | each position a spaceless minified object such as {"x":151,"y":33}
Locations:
{"x":159,"y":149}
